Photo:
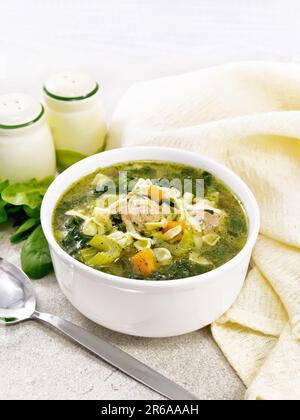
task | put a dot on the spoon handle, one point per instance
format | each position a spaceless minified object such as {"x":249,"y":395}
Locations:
{"x":117,"y":358}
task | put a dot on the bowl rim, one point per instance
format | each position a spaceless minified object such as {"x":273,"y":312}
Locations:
{"x":117,"y":281}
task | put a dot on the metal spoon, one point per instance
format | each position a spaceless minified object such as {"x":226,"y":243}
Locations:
{"x":18,"y":303}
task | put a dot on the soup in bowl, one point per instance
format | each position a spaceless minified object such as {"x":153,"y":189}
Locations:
{"x":150,"y":241}
{"x":151,"y":220}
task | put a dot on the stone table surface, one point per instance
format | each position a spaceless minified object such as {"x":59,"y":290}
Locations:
{"x":121,"y":42}
{"x":37,"y":363}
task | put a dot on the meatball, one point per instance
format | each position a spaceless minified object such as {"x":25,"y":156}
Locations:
{"x":141,"y":210}
{"x":212,"y":221}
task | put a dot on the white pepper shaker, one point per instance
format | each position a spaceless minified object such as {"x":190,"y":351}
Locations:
{"x":75,"y":114}
{"x":26,"y":145}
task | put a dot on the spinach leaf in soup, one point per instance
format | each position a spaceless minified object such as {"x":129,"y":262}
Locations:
{"x":74,"y":239}
{"x":177,"y":236}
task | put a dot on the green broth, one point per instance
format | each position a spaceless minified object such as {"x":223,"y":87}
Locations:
{"x":233,"y":233}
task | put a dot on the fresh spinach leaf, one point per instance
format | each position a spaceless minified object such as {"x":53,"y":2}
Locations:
{"x":3,"y":214}
{"x":27,"y":193}
{"x":3,"y":185}
{"x":20,"y":204}
{"x":66,"y":158}
{"x":32,"y":213}
{"x":16,"y":215}
{"x":35,"y":255}
{"x":24,"y":230}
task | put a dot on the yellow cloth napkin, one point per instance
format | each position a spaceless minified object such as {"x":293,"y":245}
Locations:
{"x":247,"y":116}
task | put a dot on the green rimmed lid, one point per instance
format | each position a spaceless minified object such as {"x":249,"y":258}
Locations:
{"x":18,"y":111}
{"x":70,"y":87}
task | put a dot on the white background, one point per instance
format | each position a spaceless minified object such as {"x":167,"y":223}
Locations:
{"x":121,"y":42}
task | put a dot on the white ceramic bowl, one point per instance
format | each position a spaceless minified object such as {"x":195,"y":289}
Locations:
{"x":140,"y":307}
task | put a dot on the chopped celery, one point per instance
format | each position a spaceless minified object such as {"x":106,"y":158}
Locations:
{"x":103,"y":251}
{"x":184,"y":246}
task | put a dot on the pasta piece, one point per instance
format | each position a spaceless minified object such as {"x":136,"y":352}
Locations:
{"x":188,"y":198}
{"x":121,"y":238}
{"x":211,"y":239}
{"x":163,"y":255}
{"x":76,"y":213}
{"x":143,"y":244}
{"x":106,"y":200}
{"x":174,"y":230}
{"x":100,"y":181}
{"x":89,"y":228}
{"x":196,"y":258}
{"x":102,"y":216}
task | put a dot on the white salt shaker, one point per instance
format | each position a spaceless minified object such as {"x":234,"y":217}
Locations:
{"x":75,"y":114}
{"x":26,"y":145}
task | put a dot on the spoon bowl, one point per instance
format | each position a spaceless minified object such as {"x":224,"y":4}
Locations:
{"x":17,"y":300}
{"x":18,"y":303}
